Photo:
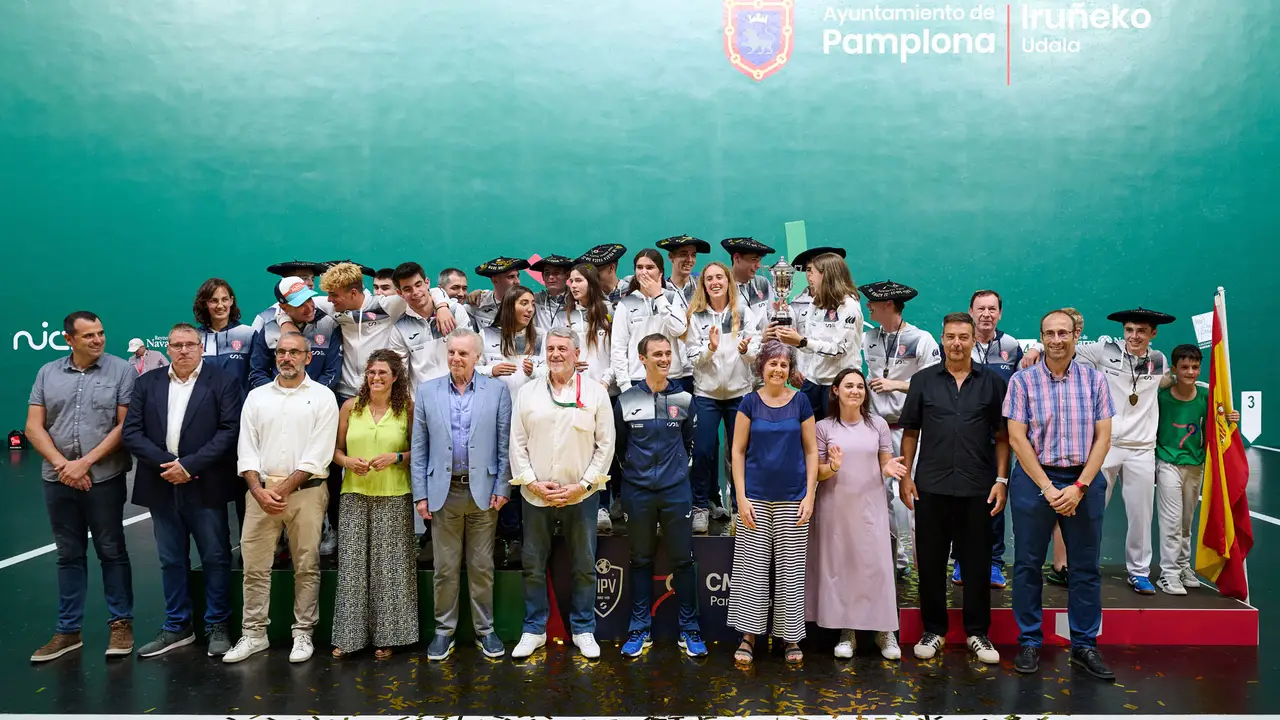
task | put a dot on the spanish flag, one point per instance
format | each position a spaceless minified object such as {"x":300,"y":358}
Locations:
{"x":1226,"y":533}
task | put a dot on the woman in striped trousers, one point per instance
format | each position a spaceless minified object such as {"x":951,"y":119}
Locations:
{"x":775,"y":470}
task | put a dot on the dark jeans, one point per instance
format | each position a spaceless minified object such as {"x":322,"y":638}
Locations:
{"x":646,"y":509}
{"x":73,"y":514}
{"x":578,"y":523}
{"x":1033,"y":521}
{"x":175,"y":523}
{"x":942,"y":520}
{"x":706,"y":463}
{"x":817,"y":395}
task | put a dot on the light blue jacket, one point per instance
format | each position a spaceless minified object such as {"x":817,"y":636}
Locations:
{"x":490,"y":435}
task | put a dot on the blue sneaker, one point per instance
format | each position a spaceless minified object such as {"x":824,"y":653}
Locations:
{"x":1141,"y":585}
{"x":636,"y":642}
{"x":955,"y":575}
{"x":692,"y":644}
{"x":997,"y":577}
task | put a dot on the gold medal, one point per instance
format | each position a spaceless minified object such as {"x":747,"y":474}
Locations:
{"x":1133,"y":398}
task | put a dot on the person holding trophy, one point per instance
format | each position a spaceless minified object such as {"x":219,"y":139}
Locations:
{"x":828,"y":333}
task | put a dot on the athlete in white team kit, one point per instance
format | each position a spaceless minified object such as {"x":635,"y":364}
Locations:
{"x":895,"y":351}
{"x":1133,"y":371}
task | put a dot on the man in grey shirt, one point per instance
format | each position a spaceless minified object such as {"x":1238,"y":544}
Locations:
{"x":74,"y":420}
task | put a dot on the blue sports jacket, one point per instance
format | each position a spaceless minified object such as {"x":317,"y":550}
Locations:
{"x":654,"y":435}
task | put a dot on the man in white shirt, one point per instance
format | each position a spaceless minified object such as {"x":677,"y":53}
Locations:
{"x":367,"y":321}
{"x":549,"y":303}
{"x":417,"y":337}
{"x":746,"y":253}
{"x":182,"y":425}
{"x":503,"y":272}
{"x":894,"y":352}
{"x":1133,"y":371}
{"x":288,"y":430}
{"x":562,"y":439}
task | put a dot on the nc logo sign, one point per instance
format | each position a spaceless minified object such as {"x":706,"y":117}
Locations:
{"x":48,"y":339}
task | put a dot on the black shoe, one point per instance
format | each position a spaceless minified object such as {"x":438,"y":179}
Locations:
{"x":1089,"y":659}
{"x":1056,"y":576}
{"x":1028,"y":659}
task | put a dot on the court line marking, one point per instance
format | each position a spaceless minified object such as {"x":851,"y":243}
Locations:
{"x":1264,"y":518}
{"x":1264,"y":447}
{"x":51,"y":547}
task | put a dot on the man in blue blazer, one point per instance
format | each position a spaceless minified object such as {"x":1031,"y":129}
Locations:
{"x":182,"y":425}
{"x":461,"y":478}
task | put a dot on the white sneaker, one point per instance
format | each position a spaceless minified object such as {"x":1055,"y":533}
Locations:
{"x":586,"y":644}
{"x":328,"y":539}
{"x":528,"y":644}
{"x":245,"y":647}
{"x":980,"y":646}
{"x":929,"y":646}
{"x":1171,"y":585}
{"x":888,"y":644}
{"x":847,"y":645}
{"x":604,"y":525}
{"x":1188,"y":578}
{"x":302,"y":649}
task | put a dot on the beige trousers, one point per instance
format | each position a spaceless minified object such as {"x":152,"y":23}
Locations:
{"x":303,"y":518}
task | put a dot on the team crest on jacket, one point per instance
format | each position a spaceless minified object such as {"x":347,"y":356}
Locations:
{"x":673,"y":411}
{"x":758,"y":35}
{"x":235,"y":345}
{"x":319,"y":339}
{"x":1004,"y":354}
{"x":371,"y":315}
{"x":902,"y":350}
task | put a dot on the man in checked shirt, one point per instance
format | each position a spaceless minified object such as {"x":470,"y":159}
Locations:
{"x":1059,"y":414}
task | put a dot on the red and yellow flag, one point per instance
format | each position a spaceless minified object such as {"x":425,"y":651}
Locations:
{"x":1226,"y":533}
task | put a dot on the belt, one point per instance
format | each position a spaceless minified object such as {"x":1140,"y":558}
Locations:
{"x":463,"y":479}
{"x":1071,"y":469}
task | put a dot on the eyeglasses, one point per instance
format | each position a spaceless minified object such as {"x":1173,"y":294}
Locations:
{"x":184,"y":347}
{"x":280,"y":352}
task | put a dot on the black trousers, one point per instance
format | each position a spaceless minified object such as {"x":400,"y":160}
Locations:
{"x":941,"y":521}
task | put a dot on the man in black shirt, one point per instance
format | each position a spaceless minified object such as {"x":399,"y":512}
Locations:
{"x":957,"y":406}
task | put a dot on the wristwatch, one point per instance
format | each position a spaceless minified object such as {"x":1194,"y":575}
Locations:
{"x":586,"y":485}
{"x":1082,"y":487}
{"x":399,"y":458}
{"x":804,"y":342}
{"x":1002,"y":480}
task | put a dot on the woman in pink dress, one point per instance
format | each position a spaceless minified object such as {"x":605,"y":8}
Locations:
{"x":850,"y":582}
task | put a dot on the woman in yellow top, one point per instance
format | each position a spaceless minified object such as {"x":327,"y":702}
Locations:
{"x":377,"y":599}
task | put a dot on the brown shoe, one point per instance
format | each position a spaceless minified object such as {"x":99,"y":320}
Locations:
{"x":60,"y":645}
{"x":121,"y":638}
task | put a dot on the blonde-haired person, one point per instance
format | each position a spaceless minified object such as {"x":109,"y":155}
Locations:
{"x":721,"y":327}
{"x":377,"y":598}
{"x":775,"y":470}
{"x":829,"y":335}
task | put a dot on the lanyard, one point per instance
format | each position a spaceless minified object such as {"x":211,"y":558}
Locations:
{"x":577,"y":400}
{"x":888,"y":354}
{"x":986,"y":349}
